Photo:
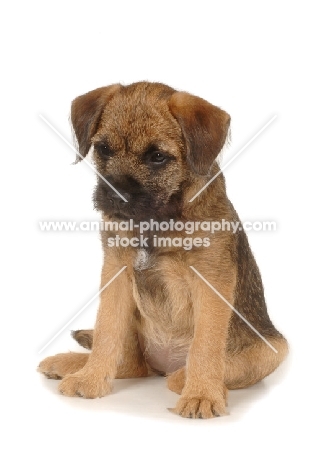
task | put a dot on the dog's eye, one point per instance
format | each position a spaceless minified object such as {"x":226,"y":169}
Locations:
{"x":104,"y":150}
{"x":157,"y":158}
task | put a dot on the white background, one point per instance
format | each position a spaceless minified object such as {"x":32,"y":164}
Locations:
{"x":250,"y":58}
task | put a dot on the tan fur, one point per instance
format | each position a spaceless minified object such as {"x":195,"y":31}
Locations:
{"x":160,"y":316}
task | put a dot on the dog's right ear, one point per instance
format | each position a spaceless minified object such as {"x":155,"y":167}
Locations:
{"x":86,"y":111}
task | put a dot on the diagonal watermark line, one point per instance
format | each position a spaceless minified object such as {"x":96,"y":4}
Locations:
{"x":233,"y":158}
{"x":83,"y":308}
{"x":235,"y":310}
{"x":82,"y":158}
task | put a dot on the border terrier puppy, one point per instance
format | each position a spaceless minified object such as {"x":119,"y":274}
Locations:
{"x":158,"y":147}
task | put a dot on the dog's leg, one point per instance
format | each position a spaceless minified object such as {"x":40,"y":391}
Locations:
{"x":114,"y":320}
{"x":255,"y":362}
{"x":204,"y":393}
{"x":131,"y":365}
{"x":245,"y":368}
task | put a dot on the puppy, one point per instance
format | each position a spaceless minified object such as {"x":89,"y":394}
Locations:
{"x":197,"y":315}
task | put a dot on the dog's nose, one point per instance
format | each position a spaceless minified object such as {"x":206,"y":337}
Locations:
{"x":116,"y":201}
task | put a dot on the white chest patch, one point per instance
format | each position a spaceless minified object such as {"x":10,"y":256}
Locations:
{"x":141,"y":261}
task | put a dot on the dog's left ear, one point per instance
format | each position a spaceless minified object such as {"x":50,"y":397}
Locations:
{"x":204,"y":127}
{"x":86,"y":111}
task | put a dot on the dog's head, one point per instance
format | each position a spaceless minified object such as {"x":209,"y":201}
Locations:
{"x":150,"y":141}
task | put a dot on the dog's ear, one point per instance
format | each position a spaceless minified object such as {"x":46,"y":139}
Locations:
{"x":86,"y":111}
{"x":204,"y":128}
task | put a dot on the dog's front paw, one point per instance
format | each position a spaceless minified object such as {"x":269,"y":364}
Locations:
{"x":197,"y":407}
{"x":86,"y":385}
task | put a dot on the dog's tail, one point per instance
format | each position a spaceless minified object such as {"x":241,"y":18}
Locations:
{"x":83,"y":337}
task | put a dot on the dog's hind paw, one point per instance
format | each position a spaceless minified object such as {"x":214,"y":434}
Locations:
{"x":60,"y":365}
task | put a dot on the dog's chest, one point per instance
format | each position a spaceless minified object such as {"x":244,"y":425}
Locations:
{"x":142,"y":260}
{"x":163,"y":300}
{"x":150,"y":288}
